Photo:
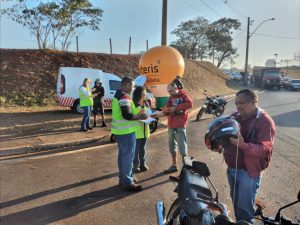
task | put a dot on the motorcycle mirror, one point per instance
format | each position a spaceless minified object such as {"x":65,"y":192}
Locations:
{"x":201,"y":168}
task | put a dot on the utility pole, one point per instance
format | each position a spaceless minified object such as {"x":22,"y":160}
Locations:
{"x":247,"y":46}
{"x":164,"y":22}
{"x":129,"y":46}
{"x":77,"y":47}
{"x":110,"y":45}
{"x":247,"y":52}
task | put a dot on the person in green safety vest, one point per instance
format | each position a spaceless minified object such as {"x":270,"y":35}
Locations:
{"x":123,"y":127}
{"x":142,"y":133}
{"x":86,"y":102}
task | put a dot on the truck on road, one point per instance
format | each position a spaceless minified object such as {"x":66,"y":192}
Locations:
{"x":267,"y":77}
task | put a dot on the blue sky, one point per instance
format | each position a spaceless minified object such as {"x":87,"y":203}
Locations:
{"x":141,"y":19}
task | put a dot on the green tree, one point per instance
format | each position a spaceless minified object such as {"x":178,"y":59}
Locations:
{"x":55,"y":20}
{"x":191,"y":38}
{"x":199,"y":39}
{"x":220,"y":40}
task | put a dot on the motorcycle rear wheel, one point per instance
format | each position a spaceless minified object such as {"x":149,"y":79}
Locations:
{"x":200,"y":113}
{"x":220,"y":111}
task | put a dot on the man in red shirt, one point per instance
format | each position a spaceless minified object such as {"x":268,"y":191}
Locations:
{"x":248,"y":155}
{"x":177,"y":107}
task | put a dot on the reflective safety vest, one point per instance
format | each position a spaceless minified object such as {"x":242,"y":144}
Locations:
{"x":143,"y":130}
{"x":119,"y":125}
{"x":85,"y":100}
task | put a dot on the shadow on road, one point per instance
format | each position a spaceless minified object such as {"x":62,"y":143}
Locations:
{"x":66,"y":208}
{"x":290,"y":119}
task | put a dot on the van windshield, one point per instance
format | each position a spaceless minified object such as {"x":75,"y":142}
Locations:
{"x":114,"y":85}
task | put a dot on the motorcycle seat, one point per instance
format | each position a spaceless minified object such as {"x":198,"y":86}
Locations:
{"x":190,"y":186}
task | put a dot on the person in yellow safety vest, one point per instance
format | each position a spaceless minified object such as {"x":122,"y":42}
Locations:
{"x":86,"y":102}
{"x":142,"y":133}
{"x":123,"y":127}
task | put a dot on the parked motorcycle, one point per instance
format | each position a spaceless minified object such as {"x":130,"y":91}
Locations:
{"x":195,"y":204}
{"x":213,"y":105}
{"x":278,"y":219}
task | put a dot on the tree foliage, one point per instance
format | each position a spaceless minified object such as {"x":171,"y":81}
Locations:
{"x":199,"y":39}
{"x":55,"y":21}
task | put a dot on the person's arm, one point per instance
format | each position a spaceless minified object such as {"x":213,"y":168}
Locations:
{"x":264,"y":143}
{"x":102,"y":93}
{"x":85,"y":91}
{"x":187,"y":103}
{"x":126,"y":110}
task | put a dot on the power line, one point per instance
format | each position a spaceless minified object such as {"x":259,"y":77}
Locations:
{"x":211,"y":9}
{"x":193,"y":7}
{"x":275,"y":36}
{"x":235,"y":10}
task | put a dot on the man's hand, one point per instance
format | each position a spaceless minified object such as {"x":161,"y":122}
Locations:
{"x":172,"y":109}
{"x":237,"y":141}
{"x":143,"y":116}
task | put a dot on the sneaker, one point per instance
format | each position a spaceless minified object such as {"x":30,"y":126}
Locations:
{"x":133,"y":188}
{"x":174,"y":178}
{"x":83,"y":130}
{"x":144,"y":168}
{"x":104,"y":124}
{"x":89,"y":128}
{"x":136,"y":170}
{"x":134,"y":181}
{"x":171,"y":169}
{"x":94,"y":124}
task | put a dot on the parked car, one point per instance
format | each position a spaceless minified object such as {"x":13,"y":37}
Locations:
{"x":235,"y":76}
{"x":286,"y":82}
{"x":294,"y":85}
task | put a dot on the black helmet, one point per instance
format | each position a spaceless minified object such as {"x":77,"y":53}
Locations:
{"x":219,"y":131}
{"x":177,"y":82}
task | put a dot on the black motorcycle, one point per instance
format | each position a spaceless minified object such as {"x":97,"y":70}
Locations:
{"x":213,"y":105}
{"x":195,"y":204}
{"x":278,"y":219}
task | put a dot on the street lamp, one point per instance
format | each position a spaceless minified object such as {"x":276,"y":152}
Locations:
{"x":247,"y":47}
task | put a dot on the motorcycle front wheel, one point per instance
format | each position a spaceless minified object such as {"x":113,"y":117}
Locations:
{"x":173,"y":214}
{"x":200,"y":113}
{"x":220,"y":111}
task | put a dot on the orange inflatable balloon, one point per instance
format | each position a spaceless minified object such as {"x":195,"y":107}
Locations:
{"x":161,"y":65}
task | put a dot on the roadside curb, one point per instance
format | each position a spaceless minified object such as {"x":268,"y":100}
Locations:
{"x":44,"y":147}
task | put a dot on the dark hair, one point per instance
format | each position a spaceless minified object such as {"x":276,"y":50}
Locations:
{"x":249,"y":95}
{"x":137,"y":94}
{"x":177,"y":82}
{"x":126,"y":80}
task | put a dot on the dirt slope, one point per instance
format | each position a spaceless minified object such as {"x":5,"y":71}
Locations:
{"x":28,"y":77}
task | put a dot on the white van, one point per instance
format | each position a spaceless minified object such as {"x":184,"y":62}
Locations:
{"x":70,"y":78}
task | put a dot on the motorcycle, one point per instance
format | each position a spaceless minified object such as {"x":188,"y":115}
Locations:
{"x":213,"y":105}
{"x":195,"y":204}
{"x":278,"y":219}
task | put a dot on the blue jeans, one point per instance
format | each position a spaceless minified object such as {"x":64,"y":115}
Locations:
{"x":245,"y":191}
{"x":140,"y":153}
{"x":126,"y":144}
{"x":85,"y":123}
{"x":177,"y":138}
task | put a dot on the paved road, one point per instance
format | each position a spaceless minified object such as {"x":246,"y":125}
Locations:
{"x":80,"y":187}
